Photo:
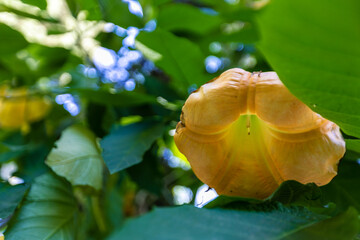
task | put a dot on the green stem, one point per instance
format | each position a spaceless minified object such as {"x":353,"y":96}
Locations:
{"x":98,"y":215}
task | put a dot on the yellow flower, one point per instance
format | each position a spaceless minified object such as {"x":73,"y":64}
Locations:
{"x":245,"y":133}
{"x":18,"y":107}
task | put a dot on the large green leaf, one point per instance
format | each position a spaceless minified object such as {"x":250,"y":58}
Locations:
{"x":353,"y":145}
{"x":185,"y":17}
{"x":181,"y":59}
{"x":314,"y":47}
{"x":187,"y":222}
{"x":343,"y":189}
{"x":10,"y":198}
{"x":77,"y":157}
{"x":11,"y":41}
{"x":48,"y":212}
{"x":126,"y":145}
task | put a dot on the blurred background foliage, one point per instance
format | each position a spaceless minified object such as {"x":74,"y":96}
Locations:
{"x":91,"y":91}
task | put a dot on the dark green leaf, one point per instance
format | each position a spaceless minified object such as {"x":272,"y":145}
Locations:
{"x":314,"y":47}
{"x":10,"y":198}
{"x":343,"y":189}
{"x":185,"y":17}
{"x":293,"y":192}
{"x":125,"y":145}
{"x":120,"y":99}
{"x":247,"y":34}
{"x":11,"y":41}
{"x":288,"y":193}
{"x":181,"y":59}
{"x":76,"y":156}
{"x":117,"y":11}
{"x":48,"y":59}
{"x":48,"y":212}
{"x":36,"y":61}
{"x":147,"y":174}
{"x":32,"y":164}
{"x":187,"y":222}
{"x":8,"y":152}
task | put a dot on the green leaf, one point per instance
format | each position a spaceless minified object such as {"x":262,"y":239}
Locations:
{"x":147,"y":174}
{"x":76,"y":157}
{"x":241,"y":11}
{"x":39,"y":3}
{"x":11,"y":41}
{"x":117,"y":11}
{"x":32,"y":163}
{"x":342,"y":190}
{"x":316,"y":53}
{"x":10,"y":198}
{"x":36,"y":61}
{"x":247,"y":34}
{"x":185,"y":17}
{"x":91,"y":6}
{"x":181,"y":59}
{"x":8,"y":152}
{"x":344,"y":226}
{"x":353,"y":145}
{"x":288,"y":193}
{"x":293,"y":192}
{"x":120,"y":99}
{"x":48,"y":212}
{"x":188,"y":222}
{"x":126,"y":145}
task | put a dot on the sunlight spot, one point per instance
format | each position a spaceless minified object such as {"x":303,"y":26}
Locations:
{"x":130,"y":85}
{"x":109,"y":27}
{"x":172,"y":132}
{"x":150,"y":26}
{"x":62,"y":98}
{"x":215,"y":47}
{"x":65,"y":79}
{"x":7,"y":170}
{"x":104,"y":58}
{"x":204,"y":195}
{"x":15,"y":180}
{"x":123,"y":62}
{"x":72,"y":108}
{"x":212,"y":64}
{"x":173,"y":161}
{"x":134,"y":56}
{"x":232,"y":2}
{"x":247,"y":61}
{"x":139,"y":78}
{"x":182,"y":195}
{"x":121,"y":32}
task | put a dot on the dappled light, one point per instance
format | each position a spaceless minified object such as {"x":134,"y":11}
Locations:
{"x":167,"y":119}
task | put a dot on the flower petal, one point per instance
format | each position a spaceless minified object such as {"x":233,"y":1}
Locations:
{"x":244,"y":134}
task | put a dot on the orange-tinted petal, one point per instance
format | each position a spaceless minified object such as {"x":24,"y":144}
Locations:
{"x":244,"y":134}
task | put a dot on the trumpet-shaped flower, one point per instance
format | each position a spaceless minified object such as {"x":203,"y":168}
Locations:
{"x":245,"y":133}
